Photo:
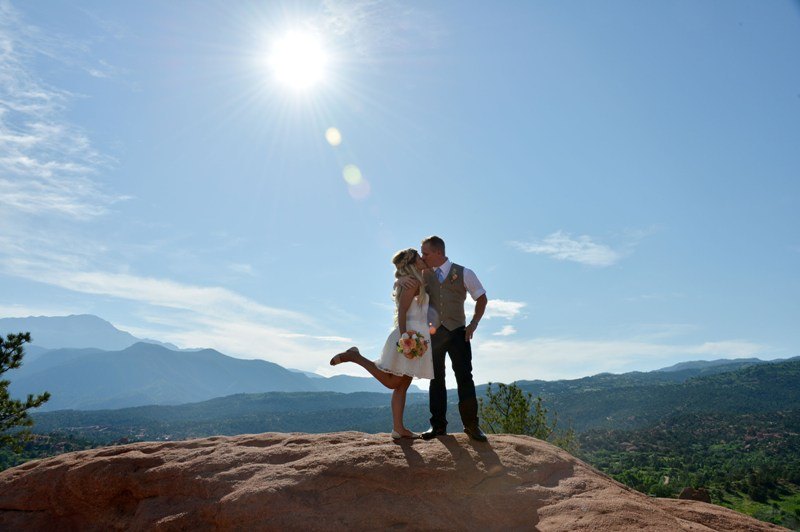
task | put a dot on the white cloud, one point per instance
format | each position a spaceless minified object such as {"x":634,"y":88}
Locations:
{"x":247,"y":337}
{"x":500,"y":360}
{"x":507,"y":330}
{"x":497,"y":308}
{"x":14,"y":310}
{"x":562,"y":246}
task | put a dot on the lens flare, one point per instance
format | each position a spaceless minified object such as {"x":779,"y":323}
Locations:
{"x":360,"y":191}
{"x":333,"y":136}
{"x":352,"y":175}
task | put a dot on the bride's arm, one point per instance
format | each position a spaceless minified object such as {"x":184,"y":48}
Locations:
{"x":406,"y":297}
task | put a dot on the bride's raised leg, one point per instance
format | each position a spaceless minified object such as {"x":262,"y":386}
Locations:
{"x":345,"y":356}
{"x":353,"y":355}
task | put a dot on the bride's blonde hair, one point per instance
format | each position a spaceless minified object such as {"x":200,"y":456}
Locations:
{"x":405,"y":261}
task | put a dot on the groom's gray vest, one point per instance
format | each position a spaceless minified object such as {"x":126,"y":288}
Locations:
{"x":447,"y":298}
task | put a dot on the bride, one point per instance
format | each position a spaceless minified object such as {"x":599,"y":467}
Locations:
{"x":395,"y":369}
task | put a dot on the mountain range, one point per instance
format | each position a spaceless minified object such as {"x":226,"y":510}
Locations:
{"x":603,"y":404}
{"x":637,"y":399}
{"x":86,"y":363}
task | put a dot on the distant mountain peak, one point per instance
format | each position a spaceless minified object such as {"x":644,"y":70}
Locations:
{"x":75,"y":331}
{"x":72,"y":331}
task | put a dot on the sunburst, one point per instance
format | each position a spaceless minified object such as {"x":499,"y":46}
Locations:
{"x":298,"y":59}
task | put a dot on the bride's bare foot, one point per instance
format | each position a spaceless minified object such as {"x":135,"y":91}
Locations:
{"x":347,"y":356}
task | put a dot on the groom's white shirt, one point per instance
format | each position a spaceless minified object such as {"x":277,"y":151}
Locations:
{"x":471,"y":282}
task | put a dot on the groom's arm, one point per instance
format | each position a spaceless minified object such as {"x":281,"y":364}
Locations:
{"x":408,"y":282}
{"x":478,"y":294}
{"x":480,"y":308}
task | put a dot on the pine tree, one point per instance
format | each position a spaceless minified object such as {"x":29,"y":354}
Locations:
{"x":512,"y":411}
{"x":13,"y":412}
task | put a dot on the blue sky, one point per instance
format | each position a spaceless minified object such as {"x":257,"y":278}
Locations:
{"x":621,"y":175}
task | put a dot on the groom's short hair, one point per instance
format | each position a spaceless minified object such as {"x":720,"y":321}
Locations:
{"x":435,"y":242}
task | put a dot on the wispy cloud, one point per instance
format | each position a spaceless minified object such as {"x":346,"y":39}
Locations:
{"x":384,"y":27}
{"x":102,"y":69}
{"x":656,"y":297}
{"x":728,"y":349}
{"x":47,"y":165}
{"x":650,"y":332}
{"x":190,"y":315}
{"x":241,"y":268}
{"x":152,"y":291}
{"x":562,"y":246}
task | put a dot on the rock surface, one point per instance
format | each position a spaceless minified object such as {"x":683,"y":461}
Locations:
{"x":695,"y":494}
{"x":338,"y":481}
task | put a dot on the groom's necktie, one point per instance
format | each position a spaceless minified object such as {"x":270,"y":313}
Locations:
{"x":440,"y":274}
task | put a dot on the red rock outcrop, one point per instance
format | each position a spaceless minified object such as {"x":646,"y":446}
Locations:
{"x":338,"y":481}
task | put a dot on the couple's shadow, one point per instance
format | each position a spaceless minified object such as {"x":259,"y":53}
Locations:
{"x":477,"y":463}
{"x":463,"y":459}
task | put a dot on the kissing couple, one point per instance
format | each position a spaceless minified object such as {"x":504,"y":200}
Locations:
{"x":430,"y":322}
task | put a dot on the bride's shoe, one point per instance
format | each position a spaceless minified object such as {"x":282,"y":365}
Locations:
{"x":397,"y":436}
{"x":343,"y":357}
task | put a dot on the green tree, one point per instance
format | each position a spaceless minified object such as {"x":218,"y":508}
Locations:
{"x":13,"y":412}
{"x":512,"y":411}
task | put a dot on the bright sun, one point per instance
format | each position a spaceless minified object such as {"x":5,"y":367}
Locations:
{"x":298,"y":59}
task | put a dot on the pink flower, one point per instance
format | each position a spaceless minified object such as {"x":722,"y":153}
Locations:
{"x":412,"y":344}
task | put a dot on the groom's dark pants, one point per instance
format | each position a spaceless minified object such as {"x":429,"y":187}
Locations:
{"x":460,"y":351}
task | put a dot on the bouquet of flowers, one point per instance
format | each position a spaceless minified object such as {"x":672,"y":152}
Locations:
{"x":412,"y":344}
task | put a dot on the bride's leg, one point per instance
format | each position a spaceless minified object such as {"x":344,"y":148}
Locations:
{"x":399,"y":406}
{"x":352,"y":355}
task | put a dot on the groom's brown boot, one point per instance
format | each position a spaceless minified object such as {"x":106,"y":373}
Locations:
{"x":469,"y":416}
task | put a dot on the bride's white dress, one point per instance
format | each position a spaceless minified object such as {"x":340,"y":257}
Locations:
{"x":396,"y":363}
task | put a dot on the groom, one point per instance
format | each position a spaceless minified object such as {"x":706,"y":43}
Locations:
{"x":447,"y":285}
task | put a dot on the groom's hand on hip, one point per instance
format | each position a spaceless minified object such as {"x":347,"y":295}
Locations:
{"x":469,"y":330}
